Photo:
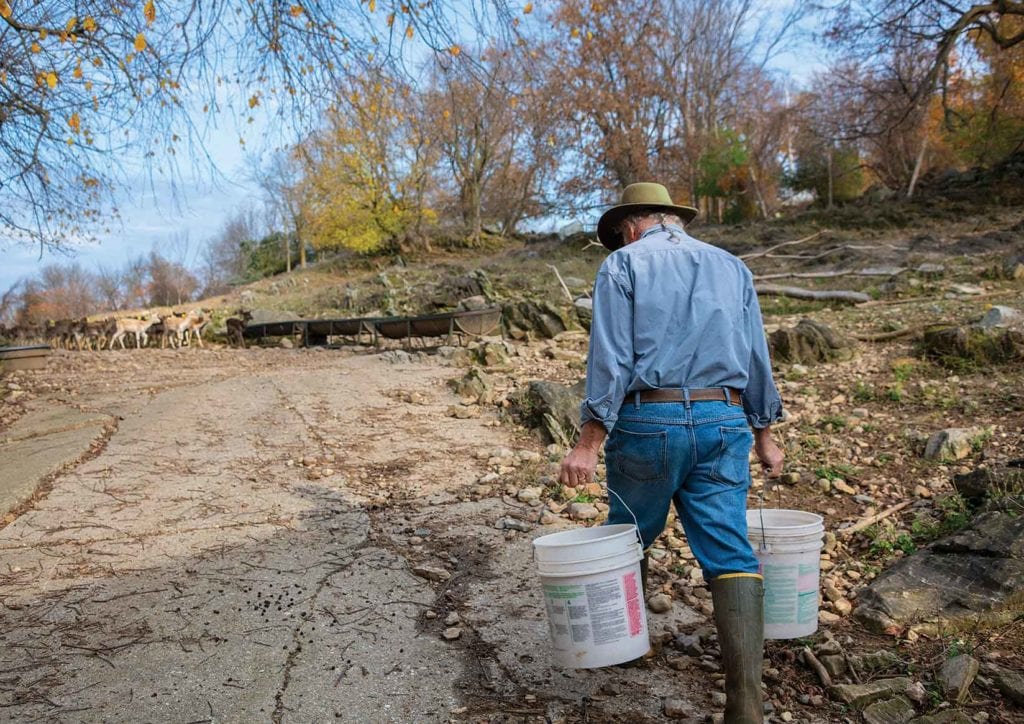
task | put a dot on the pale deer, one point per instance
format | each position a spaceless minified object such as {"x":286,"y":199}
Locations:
{"x":130,"y":325}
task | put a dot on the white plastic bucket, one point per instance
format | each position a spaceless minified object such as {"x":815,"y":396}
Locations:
{"x":593,"y":595}
{"x":788,"y":547}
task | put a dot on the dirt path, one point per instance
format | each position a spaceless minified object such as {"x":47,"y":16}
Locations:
{"x":235,"y":542}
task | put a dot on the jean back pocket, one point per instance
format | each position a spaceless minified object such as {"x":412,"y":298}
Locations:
{"x":639,"y":455}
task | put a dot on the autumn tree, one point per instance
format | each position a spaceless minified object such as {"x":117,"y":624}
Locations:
{"x":364,"y":173}
{"x":87,"y":86}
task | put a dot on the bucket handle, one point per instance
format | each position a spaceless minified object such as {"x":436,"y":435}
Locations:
{"x":636,"y":523}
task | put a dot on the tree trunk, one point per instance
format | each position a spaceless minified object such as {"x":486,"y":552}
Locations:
{"x":917,"y":166}
{"x":828,"y":160}
{"x":287,"y":253}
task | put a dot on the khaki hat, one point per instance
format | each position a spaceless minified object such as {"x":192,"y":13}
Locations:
{"x":637,"y":198}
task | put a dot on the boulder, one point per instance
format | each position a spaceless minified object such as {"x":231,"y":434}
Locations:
{"x":584,"y":307}
{"x":1010,"y":683}
{"x":983,"y":482}
{"x":897,"y":710}
{"x":959,"y":347}
{"x":1002,"y":317}
{"x":492,"y":354}
{"x":552,"y":407}
{"x":538,"y":317}
{"x":475,"y":386}
{"x":861,"y":695}
{"x":944,"y":717}
{"x":954,"y":443}
{"x":974,"y":571}
{"x":956,"y":676}
{"x":809,"y":342}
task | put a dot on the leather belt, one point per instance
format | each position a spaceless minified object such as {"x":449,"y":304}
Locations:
{"x":697,"y":394}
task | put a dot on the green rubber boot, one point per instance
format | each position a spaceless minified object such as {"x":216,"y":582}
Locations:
{"x":739,"y":618}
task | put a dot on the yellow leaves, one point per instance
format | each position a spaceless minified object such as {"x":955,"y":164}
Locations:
{"x":74,"y":122}
{"x":5,"y":9}
{"x":455,"y":50}
{"x":372,"y":5}
{"x":70,"y":25}
{"x":149,"y":12}
{"x":88,"y":85}
{"x":43,"y":32}
{"x":77,"y":72}
{"x":140,"y":43}
{"x":89,"y":25}
{"x":590,"y":35}
{"x":296,"y":11}
{"x":447,"y":114}
{"x":409,"y":32}
{"x":528,"y":8}
{"x":36,"y":47}
{"x":254,"y":100}
{"x":391,"y":19}
{"x":51,"y":80}
{"x":575,"y":32}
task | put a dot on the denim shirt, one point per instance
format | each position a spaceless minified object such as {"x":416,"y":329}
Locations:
{"x":669,"y":312}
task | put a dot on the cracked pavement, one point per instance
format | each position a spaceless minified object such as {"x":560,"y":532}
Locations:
{"x":228,"y":538}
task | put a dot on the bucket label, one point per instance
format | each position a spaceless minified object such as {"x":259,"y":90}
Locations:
{"x":601,"y":613}
{"x":790,"y":593}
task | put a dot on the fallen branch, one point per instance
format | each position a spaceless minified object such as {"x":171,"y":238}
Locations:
{"x":770,"y":249}
{"x":833,"y":250}
{"x":823,"y":295}
{"x":872,"y":519}
{"x":885,"y":336}
{"x":911,"y":300}
{"x":561,"y":281}
{"x":811,"y":660}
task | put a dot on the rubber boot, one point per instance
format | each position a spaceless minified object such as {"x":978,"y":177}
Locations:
{"x":739,"y":618}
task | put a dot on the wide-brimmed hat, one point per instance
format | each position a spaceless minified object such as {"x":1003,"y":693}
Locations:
{"x":637,"y":198}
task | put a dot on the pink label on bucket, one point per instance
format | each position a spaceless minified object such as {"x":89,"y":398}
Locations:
{"x":633,"y":613}
{"x":807,"y":582}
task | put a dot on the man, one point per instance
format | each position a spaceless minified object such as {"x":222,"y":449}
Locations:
{"x":677,"y":375}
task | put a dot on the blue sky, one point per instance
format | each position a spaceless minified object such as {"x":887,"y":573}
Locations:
{"x":203,"y":199}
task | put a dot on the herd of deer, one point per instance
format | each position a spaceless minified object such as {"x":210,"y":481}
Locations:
{"x":175,"y":330}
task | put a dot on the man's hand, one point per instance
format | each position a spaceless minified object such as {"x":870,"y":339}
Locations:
{"x":579,"y":465}
{"x":770,"y":454}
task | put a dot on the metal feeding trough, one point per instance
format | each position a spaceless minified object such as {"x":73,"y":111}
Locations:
{"x":31,"y":357}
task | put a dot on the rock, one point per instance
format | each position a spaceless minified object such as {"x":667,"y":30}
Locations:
{"x":584,"y":307}
{"x":922,"y":491}
{"x":862,"y":695}
{"x":540,"y":317}
{"x":473,"y":304}
{"x":1002,"y":317}
{"x":659,"y":603}
{"x":835,"y":665}
{"x":860,"y":412}
{"x":1013,"y":267}
{"x":549,"y":518}
{"x":954,"y":443}
{"x":529,"y":495}
{"x":286,"y":343}
{"x":452,"y":633}
{"x":553,"y":407}
{"x":453,"y":619}
{"x":896,"y":710}
{"x":529,"y":456}
{"x":678,"y":709}
{"x":1010,"y":684}
{"x":843,"y":487}
{"x":790,"y":478}
{"x":718,"y":698}
{"x":689,"y":644}
{"x":956,"y":676}
{"x":463,"y":412}
{"x":583,"y":511}
{"x":476,"y":386}
{"x":488,"y":478}
{"x":431,"y":573}
{"x":492,"y":354}
{"x":970,"y":289}
{"x":928,"y":269}
{"x":980,"y":483}
{"x":956,"y":577}
{"x":917,"y":693}
{"x":510,"y":523}
{"x":971,"y":345}
{"x":827,"y":617}
{"x":843,"y":607}
{"x":810,"y":342}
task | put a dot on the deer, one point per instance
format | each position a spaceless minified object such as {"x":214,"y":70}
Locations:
{"x":174,"y":326}
{"x":236,"y":327}
{"x":138,"y":327}
{"x":199,"y":320}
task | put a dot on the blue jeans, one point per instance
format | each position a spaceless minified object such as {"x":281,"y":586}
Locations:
{"x":696,"y":456}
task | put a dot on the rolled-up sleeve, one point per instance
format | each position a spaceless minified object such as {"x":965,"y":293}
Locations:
{"x":761,"y":401}
{"x":610,"y":358}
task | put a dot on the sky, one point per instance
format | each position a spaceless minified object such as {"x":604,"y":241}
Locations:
{"x":203,"y":199}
